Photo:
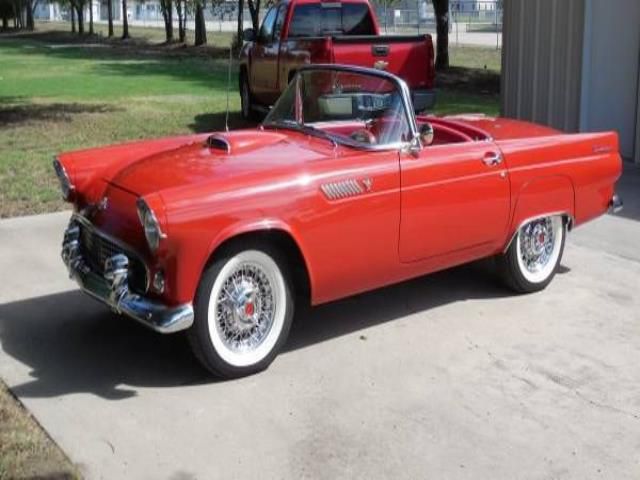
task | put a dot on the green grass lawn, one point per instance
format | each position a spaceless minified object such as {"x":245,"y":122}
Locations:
{"x":58,"y":95}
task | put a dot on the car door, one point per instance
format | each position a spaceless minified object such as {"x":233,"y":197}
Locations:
{"x":455,"y":199}
{"x":262,"y":58}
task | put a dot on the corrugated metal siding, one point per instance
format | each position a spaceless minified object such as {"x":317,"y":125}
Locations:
{"x":542,"y":61}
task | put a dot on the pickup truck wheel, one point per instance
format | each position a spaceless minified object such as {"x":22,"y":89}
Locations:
{"x":243,"y":312}
{"x":246,"y":105}
{"x":534,"y":254}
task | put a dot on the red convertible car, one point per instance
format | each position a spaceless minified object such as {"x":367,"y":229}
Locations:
{"x":340,"y":190}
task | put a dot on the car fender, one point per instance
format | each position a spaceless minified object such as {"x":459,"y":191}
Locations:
{"x":542,"y":196}
{"x":257,"y":226}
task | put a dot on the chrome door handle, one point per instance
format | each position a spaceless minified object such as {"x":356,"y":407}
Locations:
{"x":492,"y":159}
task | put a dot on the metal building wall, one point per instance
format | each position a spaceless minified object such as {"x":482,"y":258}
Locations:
{"x":542,"y":61}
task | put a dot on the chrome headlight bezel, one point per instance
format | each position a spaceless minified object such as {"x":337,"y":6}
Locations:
{"x":152,"y":231}
{"x":65,"y":182}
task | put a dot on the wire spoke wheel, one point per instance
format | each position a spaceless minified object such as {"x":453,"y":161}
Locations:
{"x":532,"y":258}
{"x":243,"y":311}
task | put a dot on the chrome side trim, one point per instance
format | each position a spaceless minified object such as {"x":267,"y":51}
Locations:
{"x":567,"y":216}
{"x":112,"y":289}
{"x":615,"y":204}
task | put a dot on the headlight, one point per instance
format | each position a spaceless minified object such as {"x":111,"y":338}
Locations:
{"x":65,"y":184}
{"x":150,"y":224}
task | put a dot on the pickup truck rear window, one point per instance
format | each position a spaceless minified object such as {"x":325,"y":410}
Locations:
{"x":319,"y":19}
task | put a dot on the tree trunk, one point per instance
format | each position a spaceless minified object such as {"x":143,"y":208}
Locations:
{"x":441,"y":8}
{"x":29,"y":6}
{"x":180,"y":8}
{"x":201,"y":26}
{"x":167,"y":15}
{"x":73,"y":20}
{"x":240,"y":20}
{"x":254,"y":10}
{"x":110,"y":17}
{"x":90,"y":17}
{"x":5,"y":22}
{"x":80,"y":15}
{"x":125,"y":20}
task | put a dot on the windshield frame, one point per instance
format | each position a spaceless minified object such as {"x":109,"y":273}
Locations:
{"x":400,"y":84}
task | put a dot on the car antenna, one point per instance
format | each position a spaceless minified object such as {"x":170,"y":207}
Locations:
{"x":226,"y":117}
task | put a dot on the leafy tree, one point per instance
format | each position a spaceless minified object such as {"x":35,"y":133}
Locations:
{"x":441,"y":8}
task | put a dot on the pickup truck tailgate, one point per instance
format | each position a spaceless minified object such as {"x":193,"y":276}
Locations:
{"x":409,"y":57}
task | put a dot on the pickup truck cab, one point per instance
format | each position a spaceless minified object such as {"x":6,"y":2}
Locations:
{"x":299,"y":32}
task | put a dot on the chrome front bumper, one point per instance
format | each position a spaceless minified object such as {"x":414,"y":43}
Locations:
{"x":112,"y":288}
{"x":615,"y":204}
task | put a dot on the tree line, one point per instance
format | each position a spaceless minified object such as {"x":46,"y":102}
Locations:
{"x":21,"y":13}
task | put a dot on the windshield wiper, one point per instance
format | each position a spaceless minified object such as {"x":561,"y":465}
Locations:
{"x":293,"y":125}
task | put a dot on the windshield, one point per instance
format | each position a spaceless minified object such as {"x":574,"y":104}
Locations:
{"x":349,"y":107}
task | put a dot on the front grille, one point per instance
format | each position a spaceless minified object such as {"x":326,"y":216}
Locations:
{"x":96,"y":248}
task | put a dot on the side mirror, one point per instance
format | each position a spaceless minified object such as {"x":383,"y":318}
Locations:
{"x":249,"y":35}
{"x":426,"y":134}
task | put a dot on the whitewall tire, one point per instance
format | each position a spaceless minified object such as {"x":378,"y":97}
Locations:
{"x":534,"y":255}
{"x":243,"y":312}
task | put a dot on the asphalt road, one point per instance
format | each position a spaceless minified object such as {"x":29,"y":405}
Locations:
{"x":446,"y":376}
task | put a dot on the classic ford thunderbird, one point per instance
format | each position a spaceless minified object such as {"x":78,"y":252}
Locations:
{"x":340,"y":190}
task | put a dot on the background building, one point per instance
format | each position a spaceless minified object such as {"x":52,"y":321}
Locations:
{"x":574,"y":65}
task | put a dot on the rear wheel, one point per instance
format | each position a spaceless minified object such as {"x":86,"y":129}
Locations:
{"x":246,"y":105}
{"x":534,"y":255}
{"x":243,"y":312}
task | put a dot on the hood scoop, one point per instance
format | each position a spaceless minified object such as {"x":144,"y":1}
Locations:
{"x":218,"y":142}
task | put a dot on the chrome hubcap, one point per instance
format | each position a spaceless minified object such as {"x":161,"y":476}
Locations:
{"x":245,"y":308}
{"x":537,"y":240}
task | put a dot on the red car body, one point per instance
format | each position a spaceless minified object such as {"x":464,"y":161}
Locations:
{"x":421,"y":215}
{"x":346,"y":218}
{"x":268,"y":62}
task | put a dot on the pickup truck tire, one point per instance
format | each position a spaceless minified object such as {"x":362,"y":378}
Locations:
{"x":243,"y":311}
{"x":246,"y":101}
{"x":533,"y":257}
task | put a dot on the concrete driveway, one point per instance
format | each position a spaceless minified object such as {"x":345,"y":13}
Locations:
{"x":447,"y":376}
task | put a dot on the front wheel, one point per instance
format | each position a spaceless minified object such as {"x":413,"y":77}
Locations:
{"x":243,"y":312}
{"x":534,"y":255}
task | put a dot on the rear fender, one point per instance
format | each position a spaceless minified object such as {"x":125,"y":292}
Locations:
{"x":554,"y":195}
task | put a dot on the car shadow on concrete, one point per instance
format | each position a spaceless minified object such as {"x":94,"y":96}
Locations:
{"x":73,"y":344}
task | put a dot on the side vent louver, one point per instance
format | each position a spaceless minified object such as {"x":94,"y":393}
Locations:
{"x":343,"y":189}
{"x":219,"y":143}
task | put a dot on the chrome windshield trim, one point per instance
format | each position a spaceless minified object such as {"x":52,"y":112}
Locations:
{"x":405,"y":94}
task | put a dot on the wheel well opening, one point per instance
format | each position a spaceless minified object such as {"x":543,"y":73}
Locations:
{"x":284,"y":243}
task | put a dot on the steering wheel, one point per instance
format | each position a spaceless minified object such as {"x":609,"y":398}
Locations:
{"x":363,"y":135}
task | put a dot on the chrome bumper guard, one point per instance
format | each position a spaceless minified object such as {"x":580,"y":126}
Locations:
{"x":615,"y":204}
{"x":112,"y":288}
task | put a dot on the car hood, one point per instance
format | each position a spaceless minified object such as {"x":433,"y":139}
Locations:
{"x":222,"y":156}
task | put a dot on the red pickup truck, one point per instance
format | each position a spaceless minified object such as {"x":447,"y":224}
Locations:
{"x":299,"y":32}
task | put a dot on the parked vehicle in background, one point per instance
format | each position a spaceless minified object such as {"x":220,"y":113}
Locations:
{"x":301,"y":32}
{"x":341,"y":190}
